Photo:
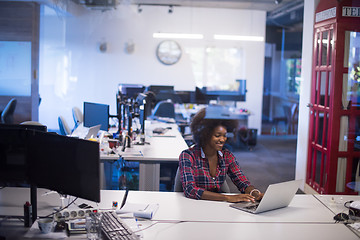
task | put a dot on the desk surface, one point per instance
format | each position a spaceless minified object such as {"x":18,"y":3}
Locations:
{"x":175,"y":206}
{"x":253,"y":231}
{"x":160,"y":148}
{"x":182,"y":218}
{"x":336,"y":202}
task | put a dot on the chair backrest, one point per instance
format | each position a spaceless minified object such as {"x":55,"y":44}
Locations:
{"x":78,"y":116}
{"x":164,"y":109}
{"x":178,"y":186}
{"x":63,"y":126}
{"x":7,"y":115}
{"x":287,"y":112}
{"x":177,"y":182}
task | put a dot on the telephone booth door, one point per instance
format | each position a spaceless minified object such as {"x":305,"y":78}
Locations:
{"x":334,"y":128}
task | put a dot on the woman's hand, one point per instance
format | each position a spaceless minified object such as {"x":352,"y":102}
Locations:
{"x":240,"y":198}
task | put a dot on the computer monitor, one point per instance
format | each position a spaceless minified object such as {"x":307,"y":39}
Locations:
{"x":186,"y":96}
{"x":29,"y":157}
{"x":64,"y":164}
{"x":131,"y":90}
{"x":96,"y":113}
{"x":160,"y":88}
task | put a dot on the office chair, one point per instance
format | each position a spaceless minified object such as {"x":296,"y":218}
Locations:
{"x":164,"y":109}
{"x":78,"y":116}
{"x":178,"y":186}
{"x":63,"y":126}
{"x":7,"y":115}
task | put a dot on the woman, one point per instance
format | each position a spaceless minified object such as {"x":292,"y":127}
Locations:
{"x":204,"y":167}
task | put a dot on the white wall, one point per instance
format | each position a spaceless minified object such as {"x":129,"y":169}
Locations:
{"x":305,"y":91}
{"x":73,"y":70}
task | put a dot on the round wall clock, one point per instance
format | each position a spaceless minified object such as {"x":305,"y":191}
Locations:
{"x":168,"y":52}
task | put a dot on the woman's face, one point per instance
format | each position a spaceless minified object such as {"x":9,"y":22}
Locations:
{"x":218,"y":138}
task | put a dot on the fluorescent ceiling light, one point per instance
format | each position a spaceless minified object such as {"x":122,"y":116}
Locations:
{"x":239,"y":38}
{"x":178,"y":35}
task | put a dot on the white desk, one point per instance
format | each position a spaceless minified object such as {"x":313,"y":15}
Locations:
{"x":160,"y":149}
{"x":336,"y":202}
{"x":182,"y":218}
{"x":253,"y":231}
{"x":174,"y":206}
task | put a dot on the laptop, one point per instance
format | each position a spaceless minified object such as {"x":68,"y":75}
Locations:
{"x":93,"y":131}
{"x":276,"y":196}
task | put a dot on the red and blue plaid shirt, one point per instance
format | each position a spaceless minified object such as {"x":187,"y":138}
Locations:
{"x":195,"y":172}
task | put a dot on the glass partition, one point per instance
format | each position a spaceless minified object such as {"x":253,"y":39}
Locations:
{"x":15,"y":68}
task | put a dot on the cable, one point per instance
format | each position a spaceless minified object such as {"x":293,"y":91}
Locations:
{"x":59,"y":210}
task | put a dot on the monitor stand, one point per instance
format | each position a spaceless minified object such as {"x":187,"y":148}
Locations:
{"x":33,"y":200}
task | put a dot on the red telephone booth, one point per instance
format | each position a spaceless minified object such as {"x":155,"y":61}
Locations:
{"x":334,"y":137}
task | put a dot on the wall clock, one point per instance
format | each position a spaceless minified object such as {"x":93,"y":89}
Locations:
{"x":168,"y":52}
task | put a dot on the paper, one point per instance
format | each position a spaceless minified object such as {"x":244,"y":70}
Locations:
{"x":139,"y":210}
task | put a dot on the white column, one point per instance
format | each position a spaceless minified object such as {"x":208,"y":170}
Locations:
{"x":305,"y":91}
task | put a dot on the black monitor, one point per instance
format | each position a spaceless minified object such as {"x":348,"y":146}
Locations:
{"x":186,"y":96}
{"x":67,"y":165}
{"x":133,"y":92}
{"x":130,"y":90}
{"x":160,"y":88}
{"x":96,"y":113}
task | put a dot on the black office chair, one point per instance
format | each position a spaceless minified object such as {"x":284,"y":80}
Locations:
{"x":178,"y":186}
{"x":63,"y":126}
{"x":7,"y":115}
{"x":164,"y":109}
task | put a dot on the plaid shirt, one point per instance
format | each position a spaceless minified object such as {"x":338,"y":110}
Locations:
{"x":195,"y":172}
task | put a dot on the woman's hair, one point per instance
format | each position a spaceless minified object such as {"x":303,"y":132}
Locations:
{"x":203,"y":128}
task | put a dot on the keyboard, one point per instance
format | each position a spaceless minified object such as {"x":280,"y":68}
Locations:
{"x":114,"y":227}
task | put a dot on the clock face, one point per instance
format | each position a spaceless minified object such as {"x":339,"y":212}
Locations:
{"x":168,"y":52}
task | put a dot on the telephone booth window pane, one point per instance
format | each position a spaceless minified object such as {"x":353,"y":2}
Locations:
{"x":321,"y":129}
{"x":324,"y":172}
{"x":349,"y":92}
{"x":326,"y":121}
{"x":316,"y":88}
{"x":317,"y":48}
{"x":318,"y":166}
{"x":340,"y":175}
{"x":324,"y":48}
{"x":357,"y":134}
{"x":346,"y":49}
{"x":311,"y":164}
{"x":343,"y":134}
{"x":355,"y":178}
{"x":331,"y":42}
{"x":329,"y":90}
{"x":314,"y":127}
{"x":323,"y":81}
{"x":353,"y":64}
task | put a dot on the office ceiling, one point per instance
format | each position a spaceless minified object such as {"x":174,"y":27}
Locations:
{"x":280,"y":13}
{"x":265,"y":5}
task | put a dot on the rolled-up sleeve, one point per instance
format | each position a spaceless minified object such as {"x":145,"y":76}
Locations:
{"x":187,"y":162}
